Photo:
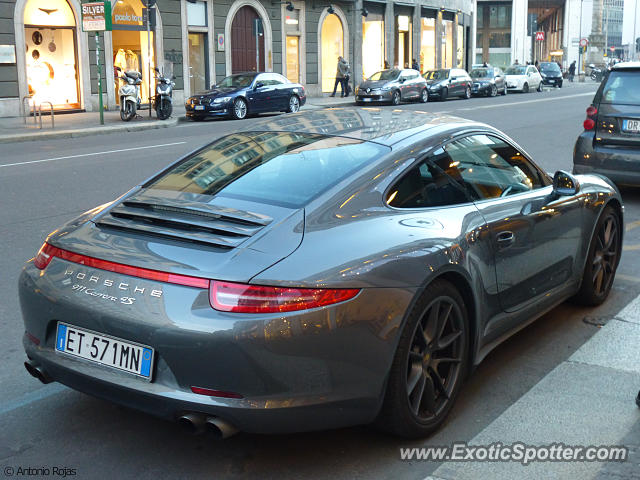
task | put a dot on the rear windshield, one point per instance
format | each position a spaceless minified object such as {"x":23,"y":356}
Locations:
{"x":282,"y":168}
{"x":385,"y":75}
{"x":436,"y":74}
{"x":622,"y":88}
{"x":515,"y":71}
{"x":482,"y":73}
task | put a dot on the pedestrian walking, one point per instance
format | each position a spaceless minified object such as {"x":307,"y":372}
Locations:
{"x":415,"y":65}
{"x":572,"y":70}
{"x":341,"y":71}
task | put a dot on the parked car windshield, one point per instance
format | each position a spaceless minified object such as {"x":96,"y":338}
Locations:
{"x":237,"y":81}
{"x":436,"y":74}
{"x":482,"y":73}
{"x":549,"y":67}
{"x":516,"y":70}
{"x":282,"y":168}
{"x":622,"y":88}
{"x":385,"y":75}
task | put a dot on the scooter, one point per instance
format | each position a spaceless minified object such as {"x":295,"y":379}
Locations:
{"x":129,"y":93}
{"x":596,"y":73}
{"x":162,"y":102}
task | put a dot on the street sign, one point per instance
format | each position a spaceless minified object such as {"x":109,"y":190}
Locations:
{"x":96,"y":16}
{"x":584,"y":42}
{"x":539,"y":36}
{"x":612,"y":48}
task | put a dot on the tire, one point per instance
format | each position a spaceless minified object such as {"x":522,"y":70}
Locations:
{"x":424,"y":96}
{"x":504,"y":90}
{"x":525,"y":88}
{"x":426,"y":375}
{"x":358,"y":103}
{"x":239,"y":109}
{"x":467,"y":93}
{"x":164,"y":110}
{"x":602,"y":259}
{"x":560,"y":85}
{"x":493,"y":92}
{"x":294,"y":104}
{"x":444,"y":93}
{"x":128,"y":112}
{"x":395,"y":98}
{"x":539,"y":89}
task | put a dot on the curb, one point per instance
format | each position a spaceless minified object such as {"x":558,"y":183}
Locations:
{"x":86,"y":132}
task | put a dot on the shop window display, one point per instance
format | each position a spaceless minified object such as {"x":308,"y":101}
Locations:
{"x":50,"y":55}
{"x":372,"y":44}
{"x":428,"y":45}
{"x":447,"y":44}
{"x":332,"y":47}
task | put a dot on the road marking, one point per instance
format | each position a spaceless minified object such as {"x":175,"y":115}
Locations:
{"x":91,"y":154}
{"x":589,"y":94}
{"x":628,"y":278}
{"x":628,"y":248}
{"x":632,"y":225}
{"x":35,"y":396}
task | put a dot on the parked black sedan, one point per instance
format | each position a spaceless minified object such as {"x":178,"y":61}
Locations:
{"x":243,"y":93}
{"x":551,"y":74}
{"x":488,"y":81}
{"x":448,"y":82}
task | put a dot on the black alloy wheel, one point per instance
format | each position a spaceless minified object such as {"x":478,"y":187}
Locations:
{"x":602,"y":259}
{"x":294,"y":104}
{"x":395,"y":98}
{"x":493,"y":91}
{"x":430,"y":364}
{"x":239,"y":109}
{"x":424,"y":96}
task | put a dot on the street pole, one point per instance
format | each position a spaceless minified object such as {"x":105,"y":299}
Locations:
{"x":100,"y":107}
{"x":149,"y":52}
{"x":580,"y":66}
{"x":635,"y":22}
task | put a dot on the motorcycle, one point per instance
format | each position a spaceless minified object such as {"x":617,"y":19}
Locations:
{"x":162,"y":102}
{"x":129,"y":93}
{"x":596,"y":73}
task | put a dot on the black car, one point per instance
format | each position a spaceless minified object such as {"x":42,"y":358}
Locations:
{"x":551,"y":74}
{"x":238,"y":95}
{"x":488,"y":81}
{"x":446,"y":83}
{"x":610,"y":142}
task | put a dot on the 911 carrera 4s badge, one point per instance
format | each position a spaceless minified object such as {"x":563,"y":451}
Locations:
{"x":102,"y":287}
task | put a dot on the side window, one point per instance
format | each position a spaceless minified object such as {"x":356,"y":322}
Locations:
{"x":274,"y":79}
{"x":490,"y":167}
{"x":262,"y":78}
{"x":434,"y":182}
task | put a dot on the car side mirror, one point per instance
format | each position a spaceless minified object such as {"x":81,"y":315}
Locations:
{"x":565,"y":184}
{"x":402,"y":80}
{"x":258,"y":85}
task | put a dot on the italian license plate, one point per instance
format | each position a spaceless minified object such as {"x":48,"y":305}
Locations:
{"x":105,"y":350}
{"x":631,"y":126}
{"x":199,"y":107}
{"x":366,"y":99}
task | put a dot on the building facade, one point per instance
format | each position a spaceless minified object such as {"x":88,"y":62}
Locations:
{"x":45,"y":54}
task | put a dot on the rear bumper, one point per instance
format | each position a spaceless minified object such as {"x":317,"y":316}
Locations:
{"x":621,"y":165}
{"x":295,"y":371}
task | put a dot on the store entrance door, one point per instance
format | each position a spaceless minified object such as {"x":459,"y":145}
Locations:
{"x":198,"y":68}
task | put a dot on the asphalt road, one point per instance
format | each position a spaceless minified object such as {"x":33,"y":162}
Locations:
{"x":43,"y":184}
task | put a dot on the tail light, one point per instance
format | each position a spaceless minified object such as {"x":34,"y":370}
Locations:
{"x":590,"y":122}
{"x":223,"y":296}
{"x":44,"y":256}
{"x":240,"y":298}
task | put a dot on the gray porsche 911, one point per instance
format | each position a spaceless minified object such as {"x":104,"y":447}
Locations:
{"x":324,"y":269}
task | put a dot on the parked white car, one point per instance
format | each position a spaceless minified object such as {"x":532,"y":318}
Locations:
{"x":523,"y":78}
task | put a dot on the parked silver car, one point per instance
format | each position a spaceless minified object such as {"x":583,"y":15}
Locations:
{"x":393,"y":86}
{"x":328,"y":268}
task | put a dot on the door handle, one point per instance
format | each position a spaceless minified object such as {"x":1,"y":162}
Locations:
{"x":505,"y":239}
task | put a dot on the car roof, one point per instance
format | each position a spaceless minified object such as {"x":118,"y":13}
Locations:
{"x":382,"y":125}
{"x":626,"y":66}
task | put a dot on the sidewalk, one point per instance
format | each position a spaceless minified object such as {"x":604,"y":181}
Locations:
{"x":13,"y":129}
{"x":587,"y":400}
